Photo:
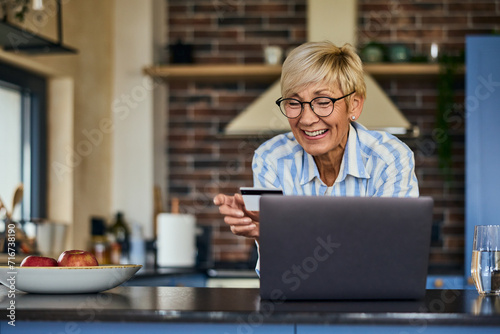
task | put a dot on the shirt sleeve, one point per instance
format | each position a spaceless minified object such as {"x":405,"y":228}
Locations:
{"x":398,"y":179}
{"x":257,"y":265}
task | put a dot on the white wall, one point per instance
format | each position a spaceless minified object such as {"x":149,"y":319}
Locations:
{"x":132,"y":110}
{"x":10,"y":143}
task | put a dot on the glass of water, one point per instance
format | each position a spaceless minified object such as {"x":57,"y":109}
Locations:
{"x":485,"y":266}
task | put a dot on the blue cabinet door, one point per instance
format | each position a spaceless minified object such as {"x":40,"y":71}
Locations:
{"x":245,"y":326}
{"x":416,"y":326}
{"x":482,"y":143}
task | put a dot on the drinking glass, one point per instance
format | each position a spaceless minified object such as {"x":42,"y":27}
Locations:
{"x":485,"y":266}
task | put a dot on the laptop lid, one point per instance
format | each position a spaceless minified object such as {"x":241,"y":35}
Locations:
{"x":344,"y":247}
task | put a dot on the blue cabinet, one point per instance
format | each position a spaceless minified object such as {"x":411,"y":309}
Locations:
{"x":417,"y":326}
{"x":38,"y":327}
{"x":482,"y":142}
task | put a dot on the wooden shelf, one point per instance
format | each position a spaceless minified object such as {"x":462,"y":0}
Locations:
{"x":215,"y":72}
{"x":412,"y":69}
{"x":218,"y":72}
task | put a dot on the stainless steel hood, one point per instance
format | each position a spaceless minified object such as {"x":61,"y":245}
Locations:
{"x":334,"y":21}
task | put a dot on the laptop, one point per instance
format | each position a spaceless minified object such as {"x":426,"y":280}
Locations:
{"x":333,"y":248}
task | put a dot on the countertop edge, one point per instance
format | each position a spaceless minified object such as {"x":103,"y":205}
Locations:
{"x":257,"y":318}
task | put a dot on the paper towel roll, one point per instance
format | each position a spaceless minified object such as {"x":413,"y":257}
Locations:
{"x":176,"y":240}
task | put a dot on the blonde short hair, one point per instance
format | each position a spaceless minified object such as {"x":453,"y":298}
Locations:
{"x":317,"y":62}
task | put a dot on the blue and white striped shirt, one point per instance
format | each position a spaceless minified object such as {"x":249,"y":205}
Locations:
{"x":375,"y":163}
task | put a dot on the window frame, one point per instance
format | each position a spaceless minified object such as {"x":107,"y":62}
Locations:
{"x":33,"y":88}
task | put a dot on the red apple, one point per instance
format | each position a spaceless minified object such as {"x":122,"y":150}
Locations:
{"x":77,"y":258}
{"x":38,"y":261}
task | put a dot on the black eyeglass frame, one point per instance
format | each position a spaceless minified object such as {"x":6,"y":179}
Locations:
{"x":278,"y":102}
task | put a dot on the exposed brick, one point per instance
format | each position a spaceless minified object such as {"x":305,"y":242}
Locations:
{"x":410,"y":35}
{"x":298,"y":34}
{"x":239,"y":20}
{"x":452,"y":242}
{"x":288,"y":21}
{"x":486,"y":20}
{"x":372,"y":20}
{"x":241,"y":47}
{"x":231,"y":34}
{"x":183,"y":21}
{"x":218,"y":8}
{"x":178,"y":9}
{"x":428,"y":7}
{"x":267,"y":34}
{"x":487,"y":6}
{"x":267,"y":9}
{"x":210,"y":59}
{"x":438,"y":21}
{"x":300,"y":7}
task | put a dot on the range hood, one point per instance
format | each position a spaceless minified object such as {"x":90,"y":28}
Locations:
{"x":334,"y":21}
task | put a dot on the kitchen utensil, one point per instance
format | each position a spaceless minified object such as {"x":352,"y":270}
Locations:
{"x":2,"y":207}
{"x":17,"y":198}
{"x":20,"y":235}
{"x":158,"y":207}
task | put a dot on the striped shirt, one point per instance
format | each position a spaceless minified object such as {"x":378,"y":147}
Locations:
{"x":375,"y":163}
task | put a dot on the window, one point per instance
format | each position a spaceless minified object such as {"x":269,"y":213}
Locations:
{"x":23,"y":140}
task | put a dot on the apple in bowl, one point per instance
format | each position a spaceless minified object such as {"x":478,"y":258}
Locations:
{"x":38,"y":261}
{"x":77,"y":258}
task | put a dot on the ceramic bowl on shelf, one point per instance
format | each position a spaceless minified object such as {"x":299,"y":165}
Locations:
{"x":399,"y":53}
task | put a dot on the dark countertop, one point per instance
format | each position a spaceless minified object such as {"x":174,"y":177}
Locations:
{"x":230,"y":305}
{"x":247,"y":270}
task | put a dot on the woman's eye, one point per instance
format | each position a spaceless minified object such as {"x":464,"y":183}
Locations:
{"x":323,"y":104}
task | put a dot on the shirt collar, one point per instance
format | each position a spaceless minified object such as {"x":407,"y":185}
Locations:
{"x":352,"y":162}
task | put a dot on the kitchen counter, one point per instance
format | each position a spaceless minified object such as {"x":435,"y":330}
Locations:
{"x":192,"y":277}
{"x":237,"y":310}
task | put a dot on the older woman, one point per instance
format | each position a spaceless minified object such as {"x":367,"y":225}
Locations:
{"x":327,"y":153}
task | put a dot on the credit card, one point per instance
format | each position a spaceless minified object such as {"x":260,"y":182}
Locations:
{"x":251,"y":196}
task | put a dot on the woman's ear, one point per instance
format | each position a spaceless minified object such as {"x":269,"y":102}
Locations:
{"x":356,"y":106}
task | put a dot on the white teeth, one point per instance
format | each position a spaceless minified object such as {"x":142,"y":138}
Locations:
{"x":315,"y":133}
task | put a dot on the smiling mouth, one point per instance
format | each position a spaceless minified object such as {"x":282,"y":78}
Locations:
{"x":314,"y":133}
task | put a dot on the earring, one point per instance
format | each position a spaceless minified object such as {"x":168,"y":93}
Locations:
{"x":353,"y":118}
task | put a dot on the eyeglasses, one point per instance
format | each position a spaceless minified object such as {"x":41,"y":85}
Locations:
{"x":322,"y":106}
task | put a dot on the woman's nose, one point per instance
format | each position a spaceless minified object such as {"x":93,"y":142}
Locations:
{"x":308,"y":116}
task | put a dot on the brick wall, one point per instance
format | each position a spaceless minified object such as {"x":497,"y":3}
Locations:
{"x":202,"y":163}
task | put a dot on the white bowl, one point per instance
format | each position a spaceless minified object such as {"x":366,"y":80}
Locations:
{"x":64,"y":280}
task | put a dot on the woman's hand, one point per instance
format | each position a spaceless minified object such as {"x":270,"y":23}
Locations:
{"x":242,"y":222}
